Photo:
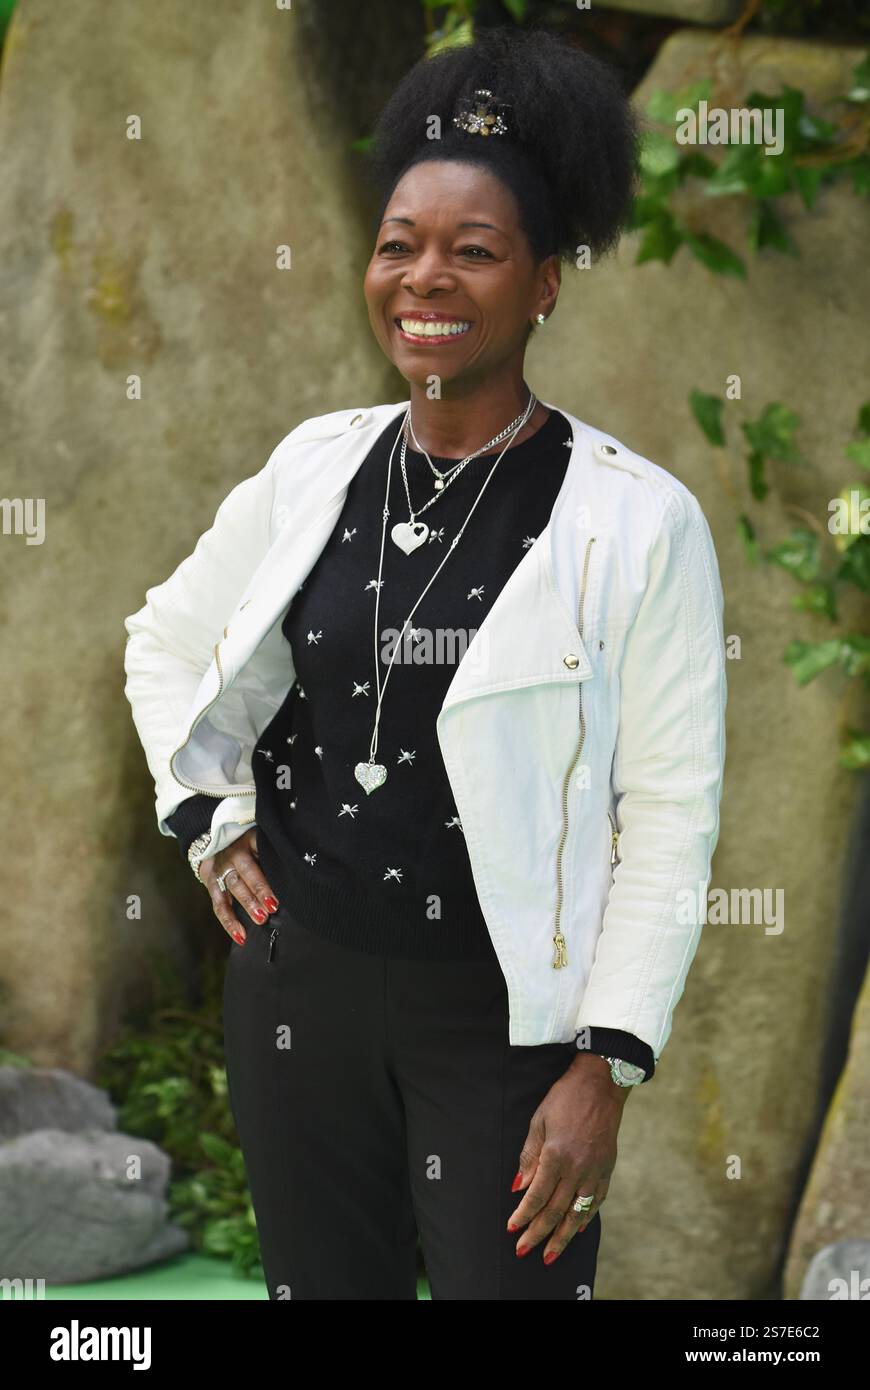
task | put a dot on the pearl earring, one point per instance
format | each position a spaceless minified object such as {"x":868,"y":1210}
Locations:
{"x":540,"y":318}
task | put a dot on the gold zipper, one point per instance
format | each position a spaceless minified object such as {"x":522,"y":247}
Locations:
{"x":206,"y":791}
{"x":614,"y":842}
{"x":561,"y":957}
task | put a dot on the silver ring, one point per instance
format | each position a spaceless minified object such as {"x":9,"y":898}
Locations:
{"x":222,"y":878}
{"x":582,"y":1204}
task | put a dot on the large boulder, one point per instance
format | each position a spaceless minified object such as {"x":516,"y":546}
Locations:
{"x":835,"y":1206}
{"x":711,"y":1152}
{"x":78,"y":1199}
{"x":152,"y":355}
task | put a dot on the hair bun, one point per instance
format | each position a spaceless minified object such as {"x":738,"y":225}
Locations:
{"x":569,"y":149}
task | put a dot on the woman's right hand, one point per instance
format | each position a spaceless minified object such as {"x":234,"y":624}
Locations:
{"x":247,"y":885}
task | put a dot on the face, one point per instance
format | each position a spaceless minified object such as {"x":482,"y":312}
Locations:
{"x":452,"y":286}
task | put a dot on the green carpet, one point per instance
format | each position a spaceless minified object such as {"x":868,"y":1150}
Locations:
{"x":183,"y":1277}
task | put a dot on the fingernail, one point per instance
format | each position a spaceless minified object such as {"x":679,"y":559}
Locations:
{"x":517,"y":1182}
{"x":259,"y":915}
{"x":237,"y":936}
{"x":512,"y":1227}
{"x":551,"y":1256}
{"x":523,"y":1250}
{"x":271,"y":904}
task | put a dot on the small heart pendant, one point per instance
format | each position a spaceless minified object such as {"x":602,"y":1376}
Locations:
{"x":408,"y":536}
{"x":370,"y":776}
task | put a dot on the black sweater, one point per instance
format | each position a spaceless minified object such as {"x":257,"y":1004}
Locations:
{"x":389,"y":872}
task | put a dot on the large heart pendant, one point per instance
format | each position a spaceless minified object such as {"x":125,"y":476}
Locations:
{"x":409,"y":535}
{"x":370,"y":776}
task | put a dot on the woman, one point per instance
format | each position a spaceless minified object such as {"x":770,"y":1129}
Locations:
{"x":435,"y":709}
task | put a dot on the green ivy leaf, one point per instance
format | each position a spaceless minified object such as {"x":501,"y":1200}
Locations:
{"x":855,"y":752}
{"x":799,"y":554}
{"x":860,"y":170}
{"x":859,"y":452}
{"x":660,"y":241}
{"x":517,"y":9}
{"x":807,"y":180}
{"x":452,"y":37}
{"x":855,"y":565}
{"x":863,"y":423}
{"x":714,"y":254}
{"x":765,"y":229}
{"x":707,"y":410}
{"x":219,"y":1150}
{"x":809,"y":659}
{"x":819,"y":599}
{"x":696,"y":165}
{"x":657,"y":154}
{"x":746,"y":532}
{"x":758,"y":485}
{"x":664,"y":105}
{"x":772,"y":433}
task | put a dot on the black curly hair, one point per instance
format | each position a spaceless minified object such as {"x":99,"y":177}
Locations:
{"x":570,"y":157}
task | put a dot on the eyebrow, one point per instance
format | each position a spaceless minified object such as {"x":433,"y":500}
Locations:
{"x":409,"y":222}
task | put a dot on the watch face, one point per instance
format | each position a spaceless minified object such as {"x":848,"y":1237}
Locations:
{"x":629,"y":1073}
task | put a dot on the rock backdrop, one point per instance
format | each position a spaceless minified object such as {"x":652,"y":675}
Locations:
{"x":156,"y":259}
{"x":739,"y":1078}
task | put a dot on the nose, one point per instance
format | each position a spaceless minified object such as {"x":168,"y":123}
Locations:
{"x":428,"y":272}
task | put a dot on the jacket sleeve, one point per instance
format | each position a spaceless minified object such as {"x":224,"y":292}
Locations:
{"x":171,"y":639}
{"x":666,"y":781}
{"x":614,"y":1042}
{"x":192,"y":818}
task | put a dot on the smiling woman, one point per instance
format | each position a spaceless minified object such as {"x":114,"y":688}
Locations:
{"x":459,"y":925}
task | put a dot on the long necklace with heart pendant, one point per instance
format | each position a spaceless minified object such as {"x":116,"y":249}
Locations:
{"x":371,"y":774}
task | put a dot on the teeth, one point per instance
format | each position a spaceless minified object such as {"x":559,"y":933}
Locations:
{"x":427,"y":328}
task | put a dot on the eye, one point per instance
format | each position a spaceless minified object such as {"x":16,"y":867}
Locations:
{"x":389,"y":244}
{"x":482,"y":249}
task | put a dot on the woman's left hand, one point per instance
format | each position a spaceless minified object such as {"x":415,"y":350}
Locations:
{"x":570,"y":1150}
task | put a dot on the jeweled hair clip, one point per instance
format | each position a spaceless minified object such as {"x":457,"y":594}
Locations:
{"x":481,"y":114}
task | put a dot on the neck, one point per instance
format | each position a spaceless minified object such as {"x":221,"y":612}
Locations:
{"x":463,"y":420}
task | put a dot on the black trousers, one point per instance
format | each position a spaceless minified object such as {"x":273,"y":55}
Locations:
{"x":376,"y":1098}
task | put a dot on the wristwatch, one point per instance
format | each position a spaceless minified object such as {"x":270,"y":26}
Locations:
{"x":197,"y":851}
{"x":625,"y":1073}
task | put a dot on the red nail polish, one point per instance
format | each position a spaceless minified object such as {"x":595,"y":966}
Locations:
{"x":517,"y":1182}
{"x":237,"y":936}
{"x":512,"y":1227}
{"x":271,"y":904}
{"x":523,"y":1250}
{"x":259,"y":915}
{"x":550,"y":1257}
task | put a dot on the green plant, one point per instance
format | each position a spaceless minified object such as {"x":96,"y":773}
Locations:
{"x":815,"y":152}
{"x":168,"y":1079}
{"x":822,"y":558}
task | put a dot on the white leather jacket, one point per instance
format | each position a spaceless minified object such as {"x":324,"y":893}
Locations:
{"x":585,"y":751}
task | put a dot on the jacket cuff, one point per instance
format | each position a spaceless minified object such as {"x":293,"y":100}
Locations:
{"x":191,"y":818}
{"x":613,"y":1042}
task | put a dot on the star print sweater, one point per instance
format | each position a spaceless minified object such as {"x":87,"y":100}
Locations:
{"x":388,"y":871}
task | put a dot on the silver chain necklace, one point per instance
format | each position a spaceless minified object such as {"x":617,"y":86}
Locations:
{"x":409,"y":535}
{"x":441,"y":474}
{"x":371,"y":774}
